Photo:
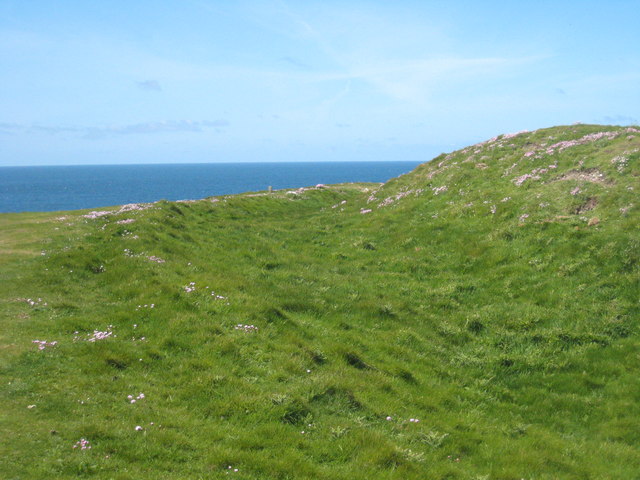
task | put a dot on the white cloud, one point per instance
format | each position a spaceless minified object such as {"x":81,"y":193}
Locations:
{"x":132,"y":129}
{"x":149,"y":85}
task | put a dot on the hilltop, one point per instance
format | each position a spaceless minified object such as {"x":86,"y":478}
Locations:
{"x":476,"y":318}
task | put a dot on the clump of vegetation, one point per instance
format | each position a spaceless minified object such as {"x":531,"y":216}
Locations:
{"x":476,"y":318}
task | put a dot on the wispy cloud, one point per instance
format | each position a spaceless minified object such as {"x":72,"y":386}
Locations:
{"x":149,"y":85}
{"x":148,"y":128}
{"x":414,"y":79}
{"x":404,"y":59}
{"x":90,"y":132}
{"x":167,"y":126}
{"x":52,"y":130}
{"x":13,"y":128}
{"x":620,"y":120}
{"x":9,"y":128}
{"x":294,"y":62}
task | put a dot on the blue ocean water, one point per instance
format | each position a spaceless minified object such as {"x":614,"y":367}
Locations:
{"x":47,"y":189}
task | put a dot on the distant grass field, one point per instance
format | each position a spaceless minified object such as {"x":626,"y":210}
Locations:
{"x":474,"y":319}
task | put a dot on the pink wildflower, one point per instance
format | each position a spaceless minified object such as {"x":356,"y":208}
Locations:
{"x":246,"y":328}
{"x":42,"y":344}
{"x":83,"y":444}
{"x":100,"y":335}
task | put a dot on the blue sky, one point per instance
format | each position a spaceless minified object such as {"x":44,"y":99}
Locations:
{"x":219,"y":81}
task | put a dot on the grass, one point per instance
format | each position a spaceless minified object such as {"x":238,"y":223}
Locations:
{"x":502,"y":317}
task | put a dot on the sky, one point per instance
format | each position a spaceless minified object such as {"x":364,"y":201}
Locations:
{"x":191,"y":81}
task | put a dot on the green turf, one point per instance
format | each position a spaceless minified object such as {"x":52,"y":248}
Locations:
{"x":492,"y":295}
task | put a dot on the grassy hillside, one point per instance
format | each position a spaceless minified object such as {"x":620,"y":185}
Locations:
{"x":474,"y":319}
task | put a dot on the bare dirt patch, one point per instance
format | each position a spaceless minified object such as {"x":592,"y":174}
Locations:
{"x":592,"y":175}
{"x":590,"y":204}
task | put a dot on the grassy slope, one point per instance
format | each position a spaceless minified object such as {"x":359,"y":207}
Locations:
{"x":513,"y":339}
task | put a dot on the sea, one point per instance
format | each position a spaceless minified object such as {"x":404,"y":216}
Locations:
{"x":56,"y":188}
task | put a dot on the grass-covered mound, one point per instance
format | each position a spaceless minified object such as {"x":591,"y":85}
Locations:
{"x":474,"y":319}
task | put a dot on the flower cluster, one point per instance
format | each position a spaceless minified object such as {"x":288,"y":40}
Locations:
{"x":624,"y":210}
{"x":512,"y":135}
{"x":146,"y":306}
{"x":493,"y":142}
{"x":96,"y":335}
{"x":534,"y":175}
{"x":563,"y":145}
{"x":82,"y":444}
{"x":523,"y":178}
{"x":338,"y":204}
{"x":246,"y":328}
{"x":523,"y":217}
{"x":299,"y":191}
{"x":411,"y":420}
{"x":34,"y":302}
{"x":132,"y":207}
{"x":216,"y":296}
{"x":509,"y":170}
{"x":42,"y":344}
{"x":153,"y":258}
{"x":124,"y":208}
{"x":365,"y":210}
{"x":575,"y":191}
{"x":133,"y":399}
{"x":438,"y":190}
{"x":96,"y":214}
{"x":190,"y":288}
{"x":399,"y":196}
{"x":620,"y":161}
{"x":126,"y":221}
